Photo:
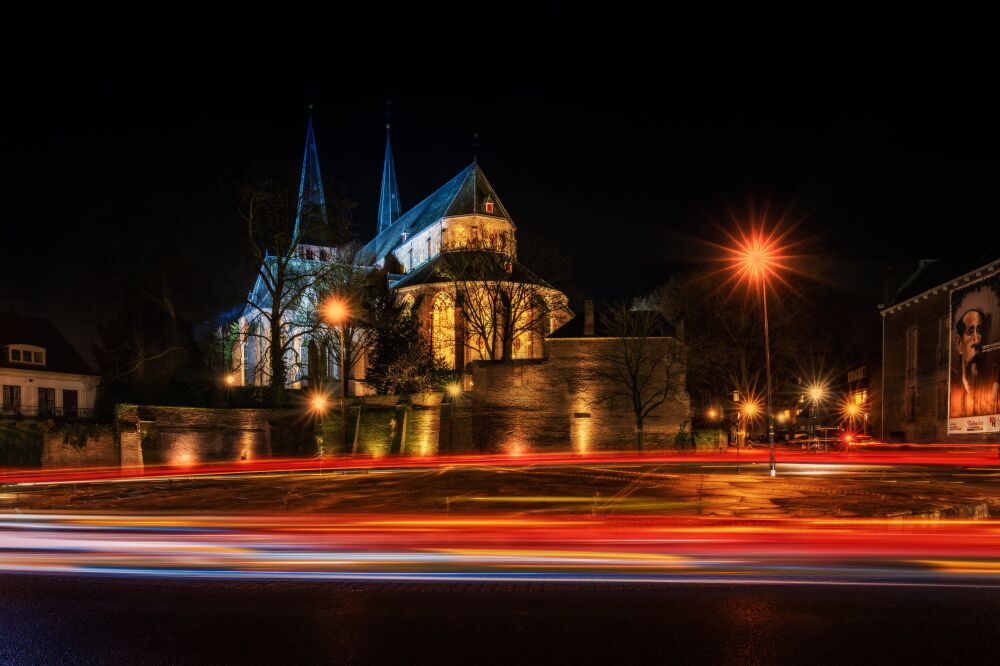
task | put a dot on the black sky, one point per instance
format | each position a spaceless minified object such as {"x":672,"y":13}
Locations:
{"x":626,"y":157}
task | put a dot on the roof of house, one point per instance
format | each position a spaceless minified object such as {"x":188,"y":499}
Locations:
{"x":462,"y":195}
{"x":59,"y":353}
{"x":934,"y":273}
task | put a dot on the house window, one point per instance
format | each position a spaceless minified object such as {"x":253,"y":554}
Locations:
{"x":944,"y":340}
{"x":26,"y":354}
{"x":11,"y":399}
{"x":69,"y":403}
{"x":46,"y":401}
{"x":911,"y":351}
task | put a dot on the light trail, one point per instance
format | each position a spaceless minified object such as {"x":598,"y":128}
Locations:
{"x":929,"y":455}
{"x":508,"y":547}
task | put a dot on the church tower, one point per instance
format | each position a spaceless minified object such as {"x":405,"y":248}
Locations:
{"x":311,"y":223}
{"x":388,"y":203}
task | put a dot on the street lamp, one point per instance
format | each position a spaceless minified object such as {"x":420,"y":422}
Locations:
{"x":816,"y":394}
{"x":756,"y":259}
{"x":336,"y":313}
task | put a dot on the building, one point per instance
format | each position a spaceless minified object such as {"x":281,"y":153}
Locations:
{"x":941,"y":356}
{"x":452,"y":258}
{"x":41,"y":374}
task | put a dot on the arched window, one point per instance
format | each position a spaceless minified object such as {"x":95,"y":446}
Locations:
{"x":443,"y":329}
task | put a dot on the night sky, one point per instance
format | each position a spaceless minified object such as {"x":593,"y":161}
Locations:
{"x":629,"y":163}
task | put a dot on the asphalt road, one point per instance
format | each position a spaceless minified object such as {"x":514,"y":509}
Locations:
{"x":802,"y":489}
{"x":117,"y":621}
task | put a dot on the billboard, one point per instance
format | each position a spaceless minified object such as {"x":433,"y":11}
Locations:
{"x":974,"y":358}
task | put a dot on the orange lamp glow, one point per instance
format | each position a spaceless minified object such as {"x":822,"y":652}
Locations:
{"x":335,"y":311}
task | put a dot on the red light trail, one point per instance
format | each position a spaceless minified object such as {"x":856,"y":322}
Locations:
{"x":925,"y":455}
{"x":505,"y":547}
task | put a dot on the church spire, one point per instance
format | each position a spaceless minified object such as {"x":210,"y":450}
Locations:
{"x":311,"y":211}
{"x":388,"y":203}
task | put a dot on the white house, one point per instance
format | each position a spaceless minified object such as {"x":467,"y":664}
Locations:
{"x":41,"y":374}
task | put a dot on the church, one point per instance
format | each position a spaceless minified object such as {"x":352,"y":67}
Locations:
{"x":451,"y":259}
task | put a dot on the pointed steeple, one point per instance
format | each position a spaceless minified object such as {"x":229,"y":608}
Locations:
{"x":311,"y":211}
{"x":388,"y":203}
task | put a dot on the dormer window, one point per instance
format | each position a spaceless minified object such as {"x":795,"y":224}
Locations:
{"x":488,"y":205}
{"x":404,"y":236}
{"x":26,"y":354}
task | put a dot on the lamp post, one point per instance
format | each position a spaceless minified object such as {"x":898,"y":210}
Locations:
{"x":336,"y":313}
{"x":816,"y":393}
{"x":755,"y":259}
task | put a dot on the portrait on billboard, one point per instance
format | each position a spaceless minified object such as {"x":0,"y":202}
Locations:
{"x":974,"y":404}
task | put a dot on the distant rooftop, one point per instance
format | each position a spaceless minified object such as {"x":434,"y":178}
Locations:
{"x":933,"y":273}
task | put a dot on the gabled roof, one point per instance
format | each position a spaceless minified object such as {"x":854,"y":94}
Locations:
{"x":935,"y":273}
{"x":440,"y":269}
{"x":464,"y":194}
{"x":59,"y":353}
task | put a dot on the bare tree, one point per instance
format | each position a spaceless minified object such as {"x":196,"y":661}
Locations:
{"x":501,"y":300}
{"x":639,"y":363}
{"x":359,"y":291}
{"x":724,"y":335}
{"x":282,"y":304}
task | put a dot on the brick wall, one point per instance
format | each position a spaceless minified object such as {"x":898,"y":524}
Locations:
{"x":181,"y":435}
{"x":553,"y":403}
{"x":98,"y":448}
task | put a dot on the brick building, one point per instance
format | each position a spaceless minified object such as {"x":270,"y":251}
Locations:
{"x":941,"y":356}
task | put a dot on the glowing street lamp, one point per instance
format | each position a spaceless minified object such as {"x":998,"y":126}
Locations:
{"x":454,"y":390}
{"x":817,"y":392}
{"x":230,"y":379}
{"x":318,"y":404}
{"x":756,"y":259}
{"x":336,"y":313}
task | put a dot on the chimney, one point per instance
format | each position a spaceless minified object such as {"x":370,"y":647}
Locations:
{"x":588,"y":317}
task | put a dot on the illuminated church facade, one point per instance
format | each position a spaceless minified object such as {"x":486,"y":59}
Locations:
{"x":451,"y":259}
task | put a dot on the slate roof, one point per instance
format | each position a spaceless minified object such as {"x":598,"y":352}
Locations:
{"x":438,"y":270}
{"x":312,"y":227}
{"x":59,"y":353}
{"x":462,"y":195}
{"x":388,"y":201}
{"x":932,"y":273}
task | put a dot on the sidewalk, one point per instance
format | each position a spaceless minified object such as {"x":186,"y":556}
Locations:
{"x":799,"y":491}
